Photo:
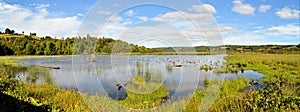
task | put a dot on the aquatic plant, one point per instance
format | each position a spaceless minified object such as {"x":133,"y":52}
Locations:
{"x":138,"y":79}
{"x":169,"y":67}
{"x":137,"y":99}
{"x":206,"y":67}
{"x":206,"y":81}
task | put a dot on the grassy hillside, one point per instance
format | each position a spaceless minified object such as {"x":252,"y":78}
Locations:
{"x":11,"y":44}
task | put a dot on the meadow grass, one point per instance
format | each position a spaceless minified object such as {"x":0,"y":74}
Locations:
{"x":11,"y":60}
{"x":285,"y":66}
{"x":41,"y":95}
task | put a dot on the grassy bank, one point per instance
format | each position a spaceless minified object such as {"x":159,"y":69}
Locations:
{"x":38,"y":96}
{"x":275,"y":67}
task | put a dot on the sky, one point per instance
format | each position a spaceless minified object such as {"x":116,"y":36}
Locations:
{"x":157,"y":23}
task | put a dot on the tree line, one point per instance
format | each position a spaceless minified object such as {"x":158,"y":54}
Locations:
{"x":32,"y":45}
{"x":263,"y":49}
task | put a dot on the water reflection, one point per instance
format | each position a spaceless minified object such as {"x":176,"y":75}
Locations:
{"x":12,"y":71}
{"x":100,"y":74}
{"x":29,"y":74}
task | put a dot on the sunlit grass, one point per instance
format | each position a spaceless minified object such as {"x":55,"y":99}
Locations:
{"x":11,"y":60}
{"x":286,"y":66}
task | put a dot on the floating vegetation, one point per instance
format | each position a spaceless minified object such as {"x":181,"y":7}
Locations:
{"x":169,"y":67}
{"x":226,"y":69}
{"x":138,"y":80}
{"x":206,"y":81}
{"x":206,"y":67}
{"x":148,"y":75}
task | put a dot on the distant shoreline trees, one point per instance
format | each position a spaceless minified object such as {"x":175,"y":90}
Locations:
{"x":12,"y":43}
{"x":32,"y":45}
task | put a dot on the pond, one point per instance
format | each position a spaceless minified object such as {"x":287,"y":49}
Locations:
{"x":180,"y":74}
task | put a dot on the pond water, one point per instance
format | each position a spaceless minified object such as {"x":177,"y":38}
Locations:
{"x":180,"y":74}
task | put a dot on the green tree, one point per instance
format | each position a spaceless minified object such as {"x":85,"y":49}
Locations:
{"x":49,"y":50}
{"x":29,"y":50}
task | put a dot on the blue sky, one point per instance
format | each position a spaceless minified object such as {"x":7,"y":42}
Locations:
{"x":155,"y":23}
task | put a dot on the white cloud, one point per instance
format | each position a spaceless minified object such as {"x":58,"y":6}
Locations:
{"x":287,"y":13}
{"x":23,"y":19}
{"x":175,"y":16}
{"x":258,"y":27}
{"x":127,"y":22}
{"x":115,"y":5}
{"x":79,"y":14}
{"x":8,"y":8}
{"x":176,"y":28}
{"x":251,"y":38}
{"x":131,"y":13}
{"x":192,"y":22}
{"x":284,"y":30}
{"x":40,"y":6}
{"x":244,"y":9}
{"x":103,"y":12}
{"x":162,"y":32}
{"x":116,"y":19}
{"x":227,"y":29}
{"x":264,"y":8}
{"x":280,"y":35}
{"x":144,"y":18}
{"x":204,"y":8}
{"x":114,"y":30}
{"x":243,"y":38}
{"x":182,"y":33}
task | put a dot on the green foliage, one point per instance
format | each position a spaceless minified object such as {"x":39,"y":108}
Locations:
{"x":206,"y":81}
{"x":138,"y":79}
{"x":206,"y":67}
{"x":263,"y":49}
{"x":13,"y":45}
{"x":236,"y":49}
{"x":194,"y":104}
{"x":42,"y":95}
{"x":27,"y":45}
{"x":234,"y":87}
{"x":169,"y":67}
{"x":274,"y":97}
{"x":275,"y":67}
{"x":281,"y":76}
{"x":145,"y":96}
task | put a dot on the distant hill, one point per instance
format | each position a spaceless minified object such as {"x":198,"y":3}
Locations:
{"x":19,"y":44}
{"x":265,"y":49}
{"x":12,"y":43}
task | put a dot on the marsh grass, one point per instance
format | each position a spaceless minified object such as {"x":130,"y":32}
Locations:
{"x":169,"y":67}
{"x":12,"y":60}
{"x":42,"y":94}
{"x":206,"y":67}
{"x":145,"y":97}
{"x":138,"y":80}
{"x":275,"y":67}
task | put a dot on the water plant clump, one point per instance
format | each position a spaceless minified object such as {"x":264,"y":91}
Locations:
{"x":206,"y":81}
{"x":139,"y":80}
{"x":145,"y":98}
{"x":169,"y":67}
{"x":206,"y":67}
